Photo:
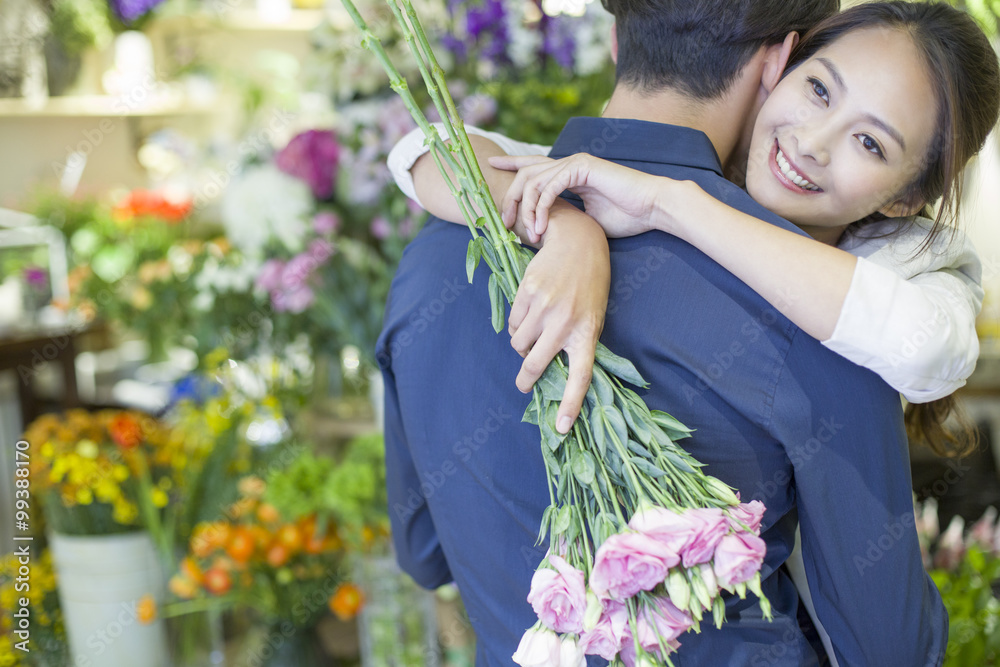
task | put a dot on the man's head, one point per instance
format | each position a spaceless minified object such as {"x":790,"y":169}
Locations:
{"x":700,"y":47}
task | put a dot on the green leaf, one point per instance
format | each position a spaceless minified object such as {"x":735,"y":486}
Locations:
{"x":597,"y":428}
{"x":603,"y":387}
{"x":647,"y":467}
{"x":636,"y":448}
{"x":472,"y":257}
{"x":550,"y":436}
{"x":669,"y":423}
{"x":636,"y":419}
{"x":619,"y":366}
{"x":497,"y":302}
{"x":562,"y":520}
{"x":677,"y":461}
{"x":614,"y":419}
{"x":553,"y":383}
{"x":550,"y":460}
{"x":531,"y":413}
{"x":584,"y":467}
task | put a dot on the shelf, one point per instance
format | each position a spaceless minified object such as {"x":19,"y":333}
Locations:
{"x":103,"y":106}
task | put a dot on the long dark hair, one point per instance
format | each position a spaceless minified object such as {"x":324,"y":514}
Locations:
{"x":964,"y":71}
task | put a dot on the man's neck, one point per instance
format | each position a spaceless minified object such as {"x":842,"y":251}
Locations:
{"x":671,"y":107}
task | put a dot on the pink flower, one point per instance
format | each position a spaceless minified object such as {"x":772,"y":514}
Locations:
{"x":380,"y":228}
{"x":982,"y":531}
{"x":293,"y":300}
{"x":269,"y":277}
{"x":749,"y":514}
{"x":297,"y":271}
{"x":538,"y":648}
{"x":320,"y":250}
{"x":951,"y":548}
{"x":628,"y":563}
{"x":312,"y":156}
{"x":738,"y":558}
{"x":606,"y":638}
{"x":326,"y":222}
{"x":664,"y":620}
{"x":559,"y":596}
{"x":692,"y":534}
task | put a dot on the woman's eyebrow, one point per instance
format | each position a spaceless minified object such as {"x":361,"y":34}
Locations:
{"x":871,"y":118}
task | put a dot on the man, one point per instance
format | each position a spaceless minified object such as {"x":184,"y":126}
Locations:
{"x":779,"y":417}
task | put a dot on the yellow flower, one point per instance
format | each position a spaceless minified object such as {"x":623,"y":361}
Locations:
{"x":160,"y":498}
{"x":120,"y":472}
{"x":46,"y":450}
{"x":87,"y":449}
{"x":84,"y":496}
{"x":106,"y":491}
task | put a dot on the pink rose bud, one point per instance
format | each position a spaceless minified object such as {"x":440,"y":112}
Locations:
{"x":538,"y":648}
{"x":628,"y":563}
{"x":738,"y":558}
{"x":559,"y":596}
{"x":747,"y":514}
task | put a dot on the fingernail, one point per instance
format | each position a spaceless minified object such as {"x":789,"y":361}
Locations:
{"x":564,"y":424}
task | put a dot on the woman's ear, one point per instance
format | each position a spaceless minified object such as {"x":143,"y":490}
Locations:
{"x":775,"y":61}
{"x":903,"y":208}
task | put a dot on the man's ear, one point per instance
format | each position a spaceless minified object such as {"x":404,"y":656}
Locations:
{"x":775,"y":60}
{"x":614,"y":43}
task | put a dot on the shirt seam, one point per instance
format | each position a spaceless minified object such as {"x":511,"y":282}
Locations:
{"x":779,"y":369}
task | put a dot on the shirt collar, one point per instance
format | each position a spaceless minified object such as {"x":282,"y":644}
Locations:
{"x":625,"y":140}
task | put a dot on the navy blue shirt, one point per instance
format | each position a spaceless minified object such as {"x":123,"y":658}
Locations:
{"x":779,"y":417}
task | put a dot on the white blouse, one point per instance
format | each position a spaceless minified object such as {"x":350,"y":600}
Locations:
{"x":910,"y":317}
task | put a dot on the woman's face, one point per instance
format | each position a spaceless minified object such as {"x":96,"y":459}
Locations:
{"x":845,"y":133}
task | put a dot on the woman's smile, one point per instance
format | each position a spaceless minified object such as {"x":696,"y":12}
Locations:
{"x":790,"y":174}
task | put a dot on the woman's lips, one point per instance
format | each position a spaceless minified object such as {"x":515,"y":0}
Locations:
{"x":785,"y":179}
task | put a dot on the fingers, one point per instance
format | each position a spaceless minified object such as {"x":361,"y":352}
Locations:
{"x":543,"y":352}
{"x":581,"y":369}
{"x":515,"y":162}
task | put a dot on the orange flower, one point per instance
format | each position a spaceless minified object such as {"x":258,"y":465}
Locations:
{"x":145,"y":609}
{"x":218,"y":581}
{"x":140,"y":203}
{"x":347,"y":601}
{"x":267,"y":513}
{"x":183,"y":587}
{"x":125,"y":431}
{"x":241,"y":545}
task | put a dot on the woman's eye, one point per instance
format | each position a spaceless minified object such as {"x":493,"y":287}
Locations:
{"x":820,"y":90}
{"x":871,"y":145}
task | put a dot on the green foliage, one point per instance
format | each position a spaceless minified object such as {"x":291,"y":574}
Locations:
{"x":973,"y":609}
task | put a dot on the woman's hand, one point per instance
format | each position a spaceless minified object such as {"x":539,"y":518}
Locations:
{"x":622,"y":200}
{"x":560,"y":306}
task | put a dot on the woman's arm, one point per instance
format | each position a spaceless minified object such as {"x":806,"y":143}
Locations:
{"x":911,"y":320}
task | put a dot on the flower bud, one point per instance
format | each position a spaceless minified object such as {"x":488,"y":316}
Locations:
{"x":700,"y":590}
{"x":721,"y":490}
{"x":678,"y":589}
{"x":595,"y":608}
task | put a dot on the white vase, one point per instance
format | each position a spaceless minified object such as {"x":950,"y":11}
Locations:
{"x":376,"y":394}
{"x":101,"y":579}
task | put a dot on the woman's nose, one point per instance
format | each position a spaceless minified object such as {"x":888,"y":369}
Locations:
{"x":813,"y":143}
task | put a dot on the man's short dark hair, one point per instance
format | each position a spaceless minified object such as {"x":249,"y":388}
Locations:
{"x":700,"y":46}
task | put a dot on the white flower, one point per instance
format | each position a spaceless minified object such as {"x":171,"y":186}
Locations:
{"x":571,"y":653}
{"x":203,"y":301}
{"x":266,"y":203}
{"x":539,"y":647}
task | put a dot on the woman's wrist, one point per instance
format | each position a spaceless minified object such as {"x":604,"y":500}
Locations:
{"x":675,"y":206}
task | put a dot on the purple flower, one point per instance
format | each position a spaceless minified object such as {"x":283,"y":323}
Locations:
{"x":269,"y":277}
{"x":293,"y":300}
{"x":36,"y":277}
{"x":312,"y":156}
{"x":320,"y":250}
{"x":326,"y":222}
{"x":559,"y":596}
{"x":129,"y":10}
{"x":628,"y":563}
{"x":381,"y":229}
{"x":297,"y":271}
{"x":558,"y":42}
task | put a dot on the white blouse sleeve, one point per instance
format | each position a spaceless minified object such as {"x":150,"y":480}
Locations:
{"x":912,"y":319}
{"x":412,"y":146}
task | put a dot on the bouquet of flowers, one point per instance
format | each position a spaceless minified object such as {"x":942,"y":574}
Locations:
{"x":965,"y":566}
{"x":642,"y":541}
{"x":48,"y":645}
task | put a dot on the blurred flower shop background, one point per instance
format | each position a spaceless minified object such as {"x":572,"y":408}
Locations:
{"x":197,"y":235}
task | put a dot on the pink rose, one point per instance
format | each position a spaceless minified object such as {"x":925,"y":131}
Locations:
{"x":292,"y":301}
{"x":381,"y":228}
{"x":297,"y":271}
{"x":320,"y":250}
{"x":559,"y":596}
{"x":538,"y":648}
{"x":663,"y":620}
{"x":628,"y":563}
{"x":269,"y":277}
{"x":692,"y":534}
{"x":607,"y":636}
{"x":738,"y":558}
{"x":711,"y":526}
{"x":747,"y":514}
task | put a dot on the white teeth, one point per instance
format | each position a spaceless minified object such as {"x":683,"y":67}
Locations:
{"x":791,"y":174}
